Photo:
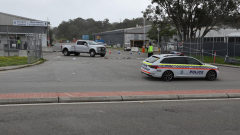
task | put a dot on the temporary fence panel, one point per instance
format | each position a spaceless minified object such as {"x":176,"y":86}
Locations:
{"x":30,"y":46}
{"x":34,"y":48}
{"x":202,"y":47}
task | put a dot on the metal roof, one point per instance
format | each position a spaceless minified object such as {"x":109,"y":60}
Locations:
{"x":19,"y":16}
{"x":235,"y":34}
{"x":121,"y":30}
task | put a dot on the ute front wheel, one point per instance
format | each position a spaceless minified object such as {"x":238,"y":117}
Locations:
{"x":92,"y":53}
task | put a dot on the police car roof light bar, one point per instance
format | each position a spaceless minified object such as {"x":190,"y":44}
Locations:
{"x":179,"y":53}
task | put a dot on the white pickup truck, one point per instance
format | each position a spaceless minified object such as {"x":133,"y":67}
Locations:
{"x":84,"y":46}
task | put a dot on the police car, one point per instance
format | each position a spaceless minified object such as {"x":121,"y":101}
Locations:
{"x":169,"y":66}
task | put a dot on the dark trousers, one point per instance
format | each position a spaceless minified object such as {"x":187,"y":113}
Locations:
{"x":150,"y":54}
{"x":18,"y":46}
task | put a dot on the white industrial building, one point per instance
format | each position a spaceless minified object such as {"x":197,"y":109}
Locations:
{"x":14,"y":27}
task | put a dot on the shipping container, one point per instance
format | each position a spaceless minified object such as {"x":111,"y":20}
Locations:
{"x":85,"y":37}
{"x":100,"y":40}
{"x":91,"y":37}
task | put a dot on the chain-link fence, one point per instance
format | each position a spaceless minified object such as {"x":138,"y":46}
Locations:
{"x":29,"y":45}
{"x":34,"y":48}
{"x":229,"y":46}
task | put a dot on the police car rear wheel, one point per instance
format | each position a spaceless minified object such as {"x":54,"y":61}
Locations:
{"x":167,"y":76}
{"x":211,"y":75}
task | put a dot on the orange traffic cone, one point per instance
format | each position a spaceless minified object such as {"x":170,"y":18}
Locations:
{"x":109,"y":51}
{"x":214,"y":57}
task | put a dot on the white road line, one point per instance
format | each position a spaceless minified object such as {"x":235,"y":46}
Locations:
{"x":118,"y":102}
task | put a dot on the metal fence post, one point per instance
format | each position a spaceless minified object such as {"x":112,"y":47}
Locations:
{"x":227,"y":46}
{"x":28,"y":49}
{"x":8,"y":42}
{"x":213,"y":47}
{"x":190,"y":46}
{"x":35,"y":48}
{"x":162,"y":45}
{"x":234,"y":45}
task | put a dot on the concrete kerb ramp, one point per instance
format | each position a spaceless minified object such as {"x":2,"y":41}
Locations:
{"x":22,"y":53}
{"x":114,"y":46}
{"x":1,"y":53}
{"x":155,"y":49}
{"x":47,"y":49}
{"x":135,"y":49}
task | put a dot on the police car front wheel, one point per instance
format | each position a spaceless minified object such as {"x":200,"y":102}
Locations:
{"x":167,"y":76}
{"x":211,"y":75}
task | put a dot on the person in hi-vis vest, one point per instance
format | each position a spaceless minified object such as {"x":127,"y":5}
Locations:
{"x":18,"y":43}
{"x":150,"y":49}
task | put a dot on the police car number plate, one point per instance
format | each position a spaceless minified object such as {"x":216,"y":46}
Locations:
{"x":145,"y":67}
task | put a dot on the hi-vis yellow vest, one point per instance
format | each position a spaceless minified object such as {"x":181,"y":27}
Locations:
{"x":150,"y":49}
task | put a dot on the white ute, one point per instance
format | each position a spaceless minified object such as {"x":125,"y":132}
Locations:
{"x":84,"y":46}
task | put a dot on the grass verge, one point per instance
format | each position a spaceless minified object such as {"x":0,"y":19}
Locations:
{"x":16,"y":61}
{"x":218,"y":60}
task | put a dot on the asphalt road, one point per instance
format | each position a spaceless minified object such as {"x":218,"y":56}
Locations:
{"x":211,"y":117}
{"x":117,"y":73}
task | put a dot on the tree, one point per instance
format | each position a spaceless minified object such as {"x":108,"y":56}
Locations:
{"x":190,"y":16}
{"x":75,"y":28}
{"x":72,"y":32}
{"x":51,"y":35}
{"x":62,"y":29}
{"x":165,"y":29}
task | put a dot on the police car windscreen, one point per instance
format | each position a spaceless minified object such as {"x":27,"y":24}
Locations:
{"x":152,"y":59}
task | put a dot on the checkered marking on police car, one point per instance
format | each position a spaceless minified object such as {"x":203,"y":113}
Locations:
{"x":186,"y":67}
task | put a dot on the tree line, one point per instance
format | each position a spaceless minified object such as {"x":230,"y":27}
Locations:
{"x":189,"y":19}
{"x":75,"y":28}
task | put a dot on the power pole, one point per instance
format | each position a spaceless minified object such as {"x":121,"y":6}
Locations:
{"x":143,"y":31}
{"x":48,"y":36}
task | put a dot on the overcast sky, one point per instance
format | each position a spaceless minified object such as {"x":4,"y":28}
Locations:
{"x":59,"y":10}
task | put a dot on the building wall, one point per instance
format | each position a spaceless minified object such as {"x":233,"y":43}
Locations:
{"x":123,"y":36}
{"x":23,"y":39}
{"x":112,"y":39}
{"x":219,"y":33}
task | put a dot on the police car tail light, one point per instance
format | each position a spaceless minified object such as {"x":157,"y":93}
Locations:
{"x":153,"y":66}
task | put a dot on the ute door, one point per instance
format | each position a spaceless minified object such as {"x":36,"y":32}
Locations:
{"x":79,"y":46}
{"x":196,"y":68}
{"x":85,"y":47}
